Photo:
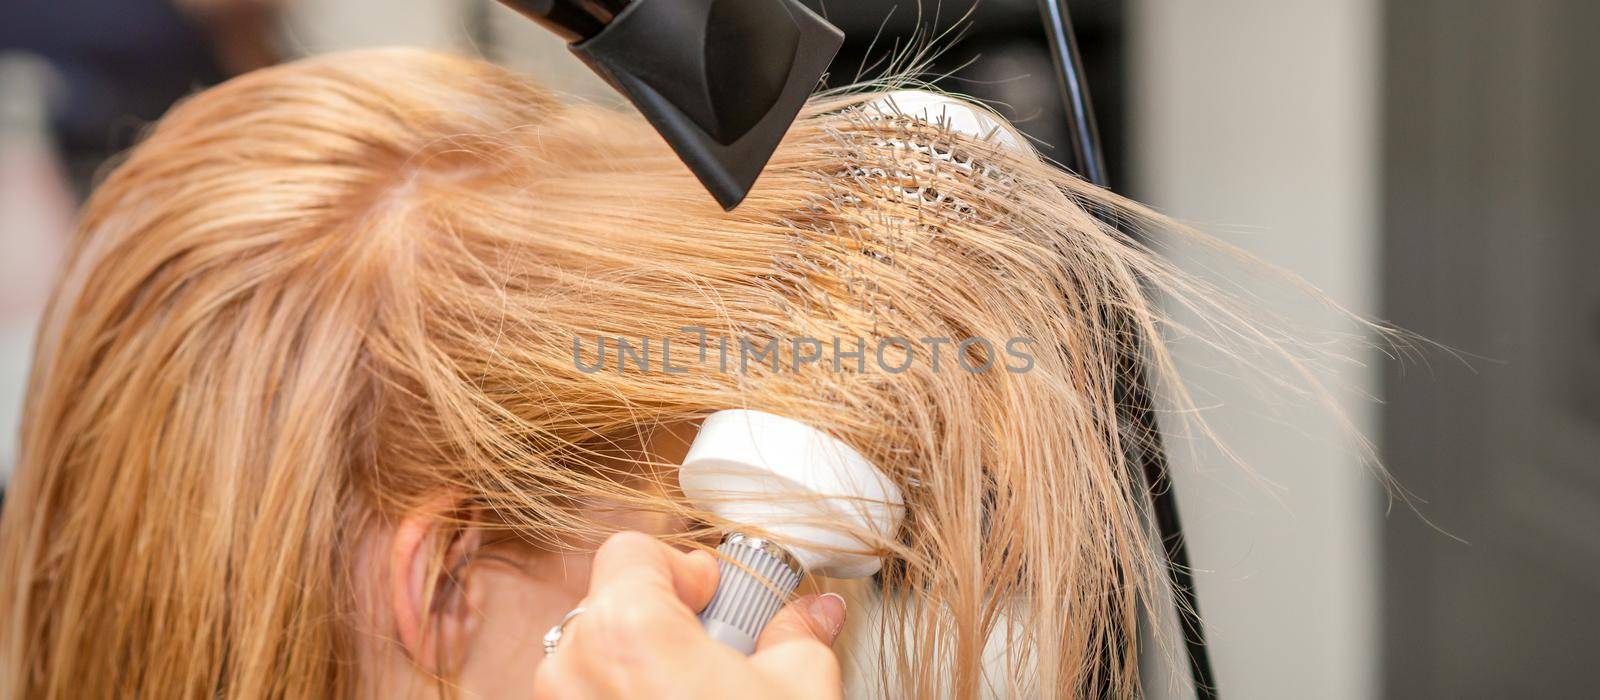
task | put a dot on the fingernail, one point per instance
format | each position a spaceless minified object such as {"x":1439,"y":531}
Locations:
{"x":827,"y":610}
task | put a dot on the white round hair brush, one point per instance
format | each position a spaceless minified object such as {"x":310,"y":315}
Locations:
{"x":815,"y":496}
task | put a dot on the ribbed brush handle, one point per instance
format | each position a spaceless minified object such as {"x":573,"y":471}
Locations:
{"x":756,"y":577}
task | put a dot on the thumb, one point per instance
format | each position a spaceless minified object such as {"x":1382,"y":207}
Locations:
{"x":812,"y":618}
{"x":795,"y":646}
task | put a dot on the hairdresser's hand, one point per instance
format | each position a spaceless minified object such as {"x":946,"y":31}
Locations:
{"x":639,"y":637}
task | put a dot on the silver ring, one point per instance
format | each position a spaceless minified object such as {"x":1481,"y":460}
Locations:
{"x":552,"y":639}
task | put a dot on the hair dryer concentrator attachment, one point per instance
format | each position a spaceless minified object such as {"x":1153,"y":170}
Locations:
{"x":812,"y":492}
{"x":721,"y":80}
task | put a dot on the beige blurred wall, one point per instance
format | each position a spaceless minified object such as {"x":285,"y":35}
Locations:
{"x":319,"y":26}
{"x":1255,"y":120}
{"x":480,"y":28}
{"x":36,"y":206}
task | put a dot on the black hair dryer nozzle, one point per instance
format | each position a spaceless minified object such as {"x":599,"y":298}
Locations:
{"x":721,"y":80}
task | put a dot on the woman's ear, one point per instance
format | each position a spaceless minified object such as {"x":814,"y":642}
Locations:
{"x":432,"y":598}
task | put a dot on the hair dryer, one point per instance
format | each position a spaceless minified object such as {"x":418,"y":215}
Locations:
{"x":721,"y":80}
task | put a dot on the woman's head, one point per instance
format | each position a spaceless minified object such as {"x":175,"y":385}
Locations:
{"x":328,"y":309}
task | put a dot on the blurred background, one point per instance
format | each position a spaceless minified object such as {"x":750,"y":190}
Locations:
{"x":1433,"y":163}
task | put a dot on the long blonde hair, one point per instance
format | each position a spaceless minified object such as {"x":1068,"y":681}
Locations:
{"x":322,"y":293}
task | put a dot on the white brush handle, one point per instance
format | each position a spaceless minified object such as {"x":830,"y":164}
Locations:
{"x":756,"y":577}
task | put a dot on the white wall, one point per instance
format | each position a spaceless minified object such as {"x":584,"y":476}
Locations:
{"x":320,"y":26}
{"x":35,"y":218}
{"x":1255,"y":121}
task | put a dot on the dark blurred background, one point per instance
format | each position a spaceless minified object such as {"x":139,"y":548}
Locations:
{"x":1428,"y":162}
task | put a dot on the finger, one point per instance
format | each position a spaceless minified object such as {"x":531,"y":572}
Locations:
{"x":629,"y":559}
{"x":637,"y":616}
{"x":697,"y":587}
{"x":808,"y":619}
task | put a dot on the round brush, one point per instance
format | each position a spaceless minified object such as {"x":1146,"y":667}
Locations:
{"x":820,"y":501}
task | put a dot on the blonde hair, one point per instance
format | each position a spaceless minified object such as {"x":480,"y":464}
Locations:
{"x":323,"y":293}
